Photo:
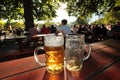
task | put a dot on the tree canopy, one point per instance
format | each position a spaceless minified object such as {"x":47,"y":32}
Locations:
{"x":84,"y":9}
{"x":42,"y":9}
{"x":12,"y":9}
{"x":46,"y":9}
{"x":28,"y":10}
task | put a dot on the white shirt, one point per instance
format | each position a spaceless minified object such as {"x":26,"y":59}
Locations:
{"x":65,"y":28}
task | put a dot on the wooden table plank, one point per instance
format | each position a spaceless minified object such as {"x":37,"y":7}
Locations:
{"x":112,"y":73}
{"x":103,"y":61}
{"x":15,"y":54}
{"x":107,"y":43}
{"x":91,"y":67}
{"x":13,"y":67}
{"x":37,"y":74}
{"x":100,"y":60}
{"x":94,"y":65}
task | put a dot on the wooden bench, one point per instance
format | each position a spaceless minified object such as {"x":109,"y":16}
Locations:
{"x":24,"y":48}
{"x":15,"y":54}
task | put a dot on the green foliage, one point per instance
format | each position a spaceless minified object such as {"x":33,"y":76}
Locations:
{"x":11,"y":9}
{"x":46,"y":9}
{"x":18,"y":25}
{"x":111,"y":17}
{"x":42,"y":9}
{"x":81,"y":21}
{"x":85,"y":8}
{"x":2,"y":24}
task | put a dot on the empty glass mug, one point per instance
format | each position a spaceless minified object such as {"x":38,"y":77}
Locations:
{"x":54,"y":53}
{"x":75,"y":49}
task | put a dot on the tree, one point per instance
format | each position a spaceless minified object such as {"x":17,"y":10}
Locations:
{"x":28,"y":15}
{"x":85,"y":8}
{"x":11,"y":9}
{"x":28,"y":9}
{"x":45,"y":9}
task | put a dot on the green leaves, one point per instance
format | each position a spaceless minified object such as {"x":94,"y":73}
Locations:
{"x":45,"y":9}
{"x":42,"y":9}
{"x":11,"y":9}
{"x":86,"y":8}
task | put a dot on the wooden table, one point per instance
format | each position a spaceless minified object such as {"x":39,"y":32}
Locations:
{"x":22,"y":46}
{"x":16,"y":39}
{"x":103,"y":64}
{"x":38,"y":39}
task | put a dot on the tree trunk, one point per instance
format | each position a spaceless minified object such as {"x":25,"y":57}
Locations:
{"x":28,"y":15}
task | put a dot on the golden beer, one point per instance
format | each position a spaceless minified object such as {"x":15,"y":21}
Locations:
{"x":54,"y":59}
{"x":54,"y":53}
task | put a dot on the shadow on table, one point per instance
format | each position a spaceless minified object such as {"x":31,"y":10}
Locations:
{"x":65,"y":75}
{"x":48,"y":76}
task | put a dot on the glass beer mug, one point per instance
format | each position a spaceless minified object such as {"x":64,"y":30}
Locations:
{"x":54,"y":53}
{"x":75,"y":51}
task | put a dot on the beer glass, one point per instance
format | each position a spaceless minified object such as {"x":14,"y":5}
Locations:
{"x":54,"y":53}
{"x":75,"y":51}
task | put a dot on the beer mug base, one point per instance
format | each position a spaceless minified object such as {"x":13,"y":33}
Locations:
{"x":72,"y":66}
{"x":55,"y":72}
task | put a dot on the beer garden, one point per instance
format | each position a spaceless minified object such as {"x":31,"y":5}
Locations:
{"x":17,"y":49}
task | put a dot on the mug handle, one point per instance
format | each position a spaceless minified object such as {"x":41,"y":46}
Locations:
{"x":36,"y":56}
{"x":89,"y":52}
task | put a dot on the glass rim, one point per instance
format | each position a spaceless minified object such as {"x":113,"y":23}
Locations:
{"x":75,"y":34}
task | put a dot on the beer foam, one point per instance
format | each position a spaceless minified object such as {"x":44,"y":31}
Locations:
{"x":55,"y":41}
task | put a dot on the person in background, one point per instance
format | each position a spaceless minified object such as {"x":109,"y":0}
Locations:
{"x":115,"y":28}
{"x":33,"y":31}
{"x":10,"y":29}
{"x":104,"y":31}
{"x":38,"y":28}
{"x":74,"y":29}
{"x":64,"y":28}
{"x":45,"y":30}
{"x":52,"y":29}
